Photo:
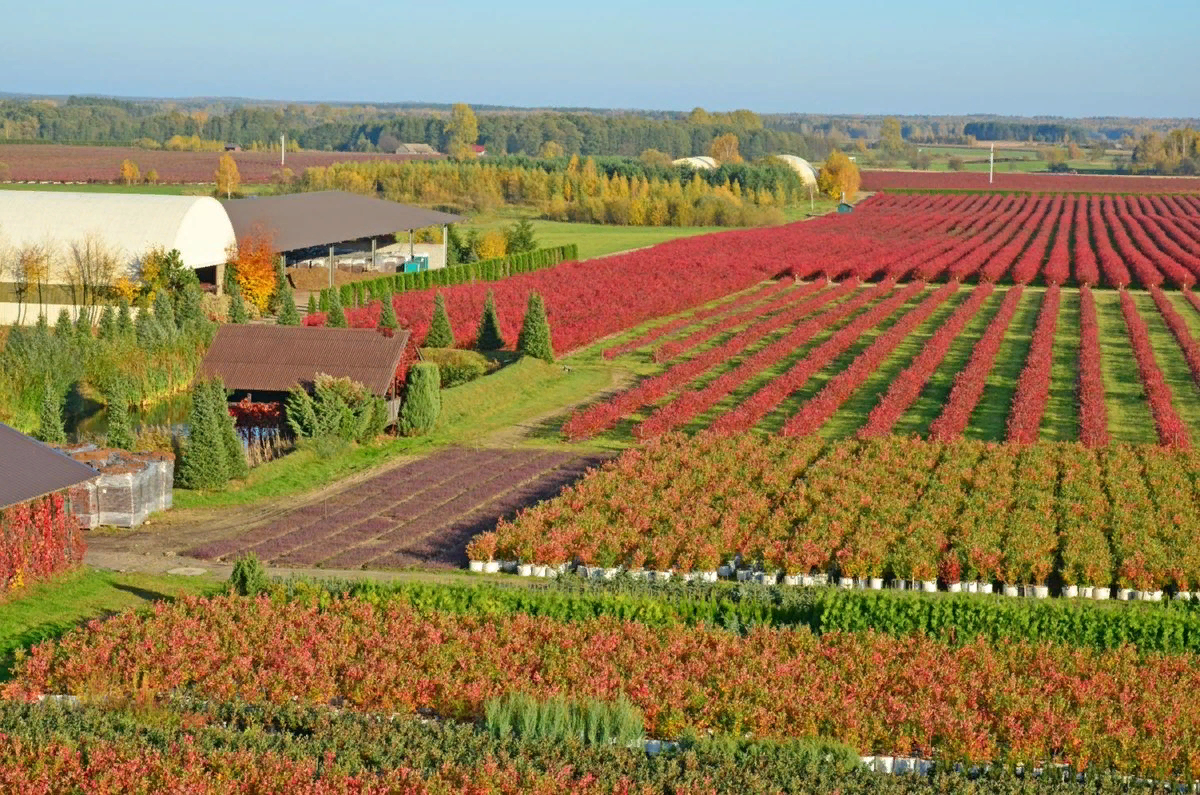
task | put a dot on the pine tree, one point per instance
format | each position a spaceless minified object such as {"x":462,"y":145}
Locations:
{"x":422,"y":401}
{"x":535,"y":332}
{"x":124,"y":320}
{"x":191,"y":309}
{"x":488,"y":337}
{"x":235,"y":455}
{"x":50,"y":421}
{"x":83,"y":326}
{"x":440,"y":335}
{"x":203,"y":463}
{"x":312,"y":303}
{"x":64,"y":329}
{"x":275,"y":302}
{"x":237,"y":307}
{"x":288,"y":314}
{"x":387,"y":314}
{"x":164,"y":313}
{"x":147,"y":329}
{"x":336,"y":317}
{"x":108,"y":323}
{"x":120,"y":427}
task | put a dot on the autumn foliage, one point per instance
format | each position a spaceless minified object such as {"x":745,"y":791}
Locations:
{"x":38,"y":538}
{"x":254,"y":266}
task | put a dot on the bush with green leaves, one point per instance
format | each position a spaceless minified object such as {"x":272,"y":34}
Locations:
{"x":249,"y":576}
{"x":336,"y":407}
{"x":440,"y":335}
{"x":521,"y":716}
{"x":422,"y":400}
{"x":457,"y":366}
{"x":534,"y":339}
{"x":488,"y":337}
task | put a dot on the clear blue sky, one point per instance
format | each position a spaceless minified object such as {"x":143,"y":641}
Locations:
{"x":1086,"y":58}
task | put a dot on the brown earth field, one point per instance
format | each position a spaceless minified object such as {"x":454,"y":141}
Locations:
{"x":62,"y":163}
{"x":421,"y":513}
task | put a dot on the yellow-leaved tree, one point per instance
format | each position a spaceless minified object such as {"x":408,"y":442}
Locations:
{"x":463,"y":130}
{"x":492,"y":244}
{"x":130,"y":172}
{"x":724,"y":149}
{"x":254,"y":266}
{"x":551,"y":149}
{"x":839,"y":177}
{"x":227,"y":176}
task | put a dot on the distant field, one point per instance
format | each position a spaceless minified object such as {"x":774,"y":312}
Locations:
{"x":873,"y":180}
{"x":56,"y":163}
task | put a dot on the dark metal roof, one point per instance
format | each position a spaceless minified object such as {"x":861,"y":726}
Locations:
{"x":303,"y":220}
{"x":260,"y":358}
{"x":30,"y":469}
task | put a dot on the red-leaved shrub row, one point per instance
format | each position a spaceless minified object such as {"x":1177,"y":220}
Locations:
{"x":906,"y":387}
{"x":1025,"y":182}
{"x":1033,"y":385}
{"x":1093,"y":414}
{"x":589,"y":421}
{"x":1171,"y":428}
{"x":816,"y":412}
{"x":1015,"y":702}
{"x":38,"y":538}
{"x":1179,"y":330}
{"x":971,"y":380}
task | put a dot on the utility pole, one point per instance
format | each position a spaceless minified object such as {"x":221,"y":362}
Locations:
{"x":991,"y":163}
{"x":282,"y":147}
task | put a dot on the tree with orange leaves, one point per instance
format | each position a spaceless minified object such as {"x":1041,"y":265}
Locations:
{"x":254,"y":266}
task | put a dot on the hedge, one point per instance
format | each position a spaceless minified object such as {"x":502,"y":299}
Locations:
{"x":488,"y":270}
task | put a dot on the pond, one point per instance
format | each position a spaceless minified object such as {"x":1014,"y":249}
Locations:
{"x":87,"y":418}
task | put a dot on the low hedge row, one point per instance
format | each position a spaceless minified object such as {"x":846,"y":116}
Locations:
{"x":488,"y":270}
{"x":955,"y":618}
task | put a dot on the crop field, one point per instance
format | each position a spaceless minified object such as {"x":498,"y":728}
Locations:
{"x":59,"y":163}
{"x":419,"y":513}
{"x":1018,"y":181}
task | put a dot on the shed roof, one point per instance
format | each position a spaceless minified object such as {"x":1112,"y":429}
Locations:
{"x":303,"y":220}
{"x":261,"y":358}
{"x":30,"y":469}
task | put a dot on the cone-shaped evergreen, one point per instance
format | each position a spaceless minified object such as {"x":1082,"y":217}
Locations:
{"x":387,"y":313}
{"x":204,"y":463}
{"x":288,"y":314}
{"x":275,"y":302}
{"x":120,"y":428}
{"x":64,"y":329}
{"x":440,"y":335}
{"x":83,"y":326}
{"x":235,"y":455}
{"x":164,"y":313}
{"x":312,"y":303}
{"x":191,"y":308}
{"x":535,"y":332}
{"x":336,"y":318}
{"x":108,"y":323}
{"x":50,"y":421}
{"x":147,"y":329}
{"x":422,"y":401}
{"x":124,"y":320}
{"x":237,"y":307}
{"x":488,"y":337}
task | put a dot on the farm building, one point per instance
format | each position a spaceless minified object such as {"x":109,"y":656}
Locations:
{"x":263,"y":363}
{"x":30,"y":470}
{"x":700,"y":163}
{"x":806,"y":170}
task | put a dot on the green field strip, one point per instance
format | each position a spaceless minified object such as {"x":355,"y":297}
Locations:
{"x":990,"y":418}
{"x":854,"y":412}
{"x":1185,"y":394}
{"x":775,"y":420}
{"x":928,"y":405}
{"x":1060,"y":423}
{"x":1186,"y":310}
{"x":1129,"y":417}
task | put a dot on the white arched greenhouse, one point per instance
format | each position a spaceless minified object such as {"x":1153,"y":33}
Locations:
{"x":700,"y":162}
{"x":806,"y":170}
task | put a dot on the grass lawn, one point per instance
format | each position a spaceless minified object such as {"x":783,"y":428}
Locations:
{"x":50,"y":609}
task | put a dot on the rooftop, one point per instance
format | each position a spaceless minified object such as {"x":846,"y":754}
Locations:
{"x":30,"y":469}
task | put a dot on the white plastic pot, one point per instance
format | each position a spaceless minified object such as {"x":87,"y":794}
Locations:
{"x":1041,"y":591}
{"x":1100,"y":594}
{"x":552,"y":572}
{"x":972,"y":586}
{"x":846,"y":582}
{"x":476,"y":566}
{"x":1012,"y":590}
{"x":491,"y":566}
{"x":662,"y":575}
{"x":1070,"y":591}
{"x":1184,"y":595}
{"x":792,"y":579}
{"x":525,"y":569}
{"x":904,"y":764}
{"x":808,"y":580}
{"x":1152,"y":596}
{"x":929,"y":586}
{"x":708,"y":576}
{"x":539,"y":570}
{"x":884,"y":764}
{"x":876,"y":583}
{"x":1086,"y":592}
{"x":985,"y":587}
{"x":611,"y":572}
{"x":955,"y":587}
{"x":1124,"y":594}
{"x":688,"y":576}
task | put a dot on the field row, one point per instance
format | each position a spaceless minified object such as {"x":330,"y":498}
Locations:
{"x":893,"y":508}
{"x":946,"y":361}
{"x":1016,"y":701}
{"x":874,"y":180}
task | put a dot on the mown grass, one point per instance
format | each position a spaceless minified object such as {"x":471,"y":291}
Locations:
{"x":1129,"y":418}
{"x":1185,"y":395}
{"x":1061,"y":421}
{"x":989,"y":421}
{"x":50,"y":609}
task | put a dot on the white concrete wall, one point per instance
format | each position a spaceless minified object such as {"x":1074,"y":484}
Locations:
{"x":8,"y":312}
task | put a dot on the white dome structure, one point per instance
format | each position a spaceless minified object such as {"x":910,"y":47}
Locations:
{"x":700,"y":162}
{"x":808,"y":174}
{"x":128,"y":225}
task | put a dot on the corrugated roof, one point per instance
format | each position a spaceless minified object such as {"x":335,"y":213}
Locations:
{"x":30,"y":469}
{"x":303,"y":220}
{"x":261,"y":358}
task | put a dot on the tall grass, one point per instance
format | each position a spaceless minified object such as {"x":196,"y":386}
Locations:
{"x":520,"y":716}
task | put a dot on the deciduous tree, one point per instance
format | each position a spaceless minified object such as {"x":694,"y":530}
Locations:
{"x":227,"y":176}
{"x":254,"y":267}
{"x":463,"y":129}
{"x":130,"y":174}
{"x":839,"y":177}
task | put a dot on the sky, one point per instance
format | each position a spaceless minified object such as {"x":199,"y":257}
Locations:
{"x":1093,"y":58}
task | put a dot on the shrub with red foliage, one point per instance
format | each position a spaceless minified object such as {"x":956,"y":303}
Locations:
{"x":1093,"y":414}
{"x":1171,"y":429}
{"x":1025,"y":182}
{"x":247,"y":414}
{"x":38,"y":539}
{"x":1033,"y":386}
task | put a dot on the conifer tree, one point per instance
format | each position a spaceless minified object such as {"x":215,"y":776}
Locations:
{"x":191,"y":308}
{"x":226,"y":427}
{"x":147,"y":329}
{"x":64,"y":329}
{"x":203,"y":463}
{"x":237,"y":307}
{"x":312,"y":303}
{"x":422,"y":401}
{"x":275,"y":302}
{"x":336,"y":317}
{"x":387,"y":313}
{"x":489,"y":337}
{"x":535,"y":331}
{"x":124,"y":320}
{"x":440,"y":335}
{"x":50,"y":421}
{"x":83,"y":326}
{"x":164,"y":313}
{"x":108,"y":323}
{"x":288,"y":314}
{"x":120,"y":427}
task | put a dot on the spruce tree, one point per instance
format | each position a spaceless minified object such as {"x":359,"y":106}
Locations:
{"x":336,"y":317}
{"x":231,"y":441}
{"x":147,"y":330}
{"x":312,"y":303}
{"x":204,"y":462}
{"x":422,"y":401}
{"x":50,"y":421}
{"x":164,"y":313}
{"x":237,"y":307}
{"x":288,"y":314}
{"x":488,"y":337}
{"x":124,"y":320}
{"x":120,"y":427}
{"x":535,"y":332}
{"x":108,"y":323}
{"x":387,"y":313}
{"x":275,"y":302}
{"x":191,"y":309}
{"x":440,"y":335}
{"x":83,"y":326}
{"x":64,"y":329}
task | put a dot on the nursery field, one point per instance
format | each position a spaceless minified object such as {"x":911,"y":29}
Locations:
{"x":421,"y":513}
{"x":1018,"y":181}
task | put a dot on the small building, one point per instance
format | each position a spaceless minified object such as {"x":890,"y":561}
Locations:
{"x":264,"y":362}
{"x":699,"y":163}
{"x":479,"y":149}
{"x":806,"y":170}
{"x":845,"y":207}
{"x":129,"y":486}
{"x":420,"y":150}
{"x":30,"y":470}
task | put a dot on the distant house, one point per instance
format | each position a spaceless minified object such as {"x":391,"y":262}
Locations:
{"x":232,"y":148}
{"x":479,"y":150}
{"x":424,"y":150}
